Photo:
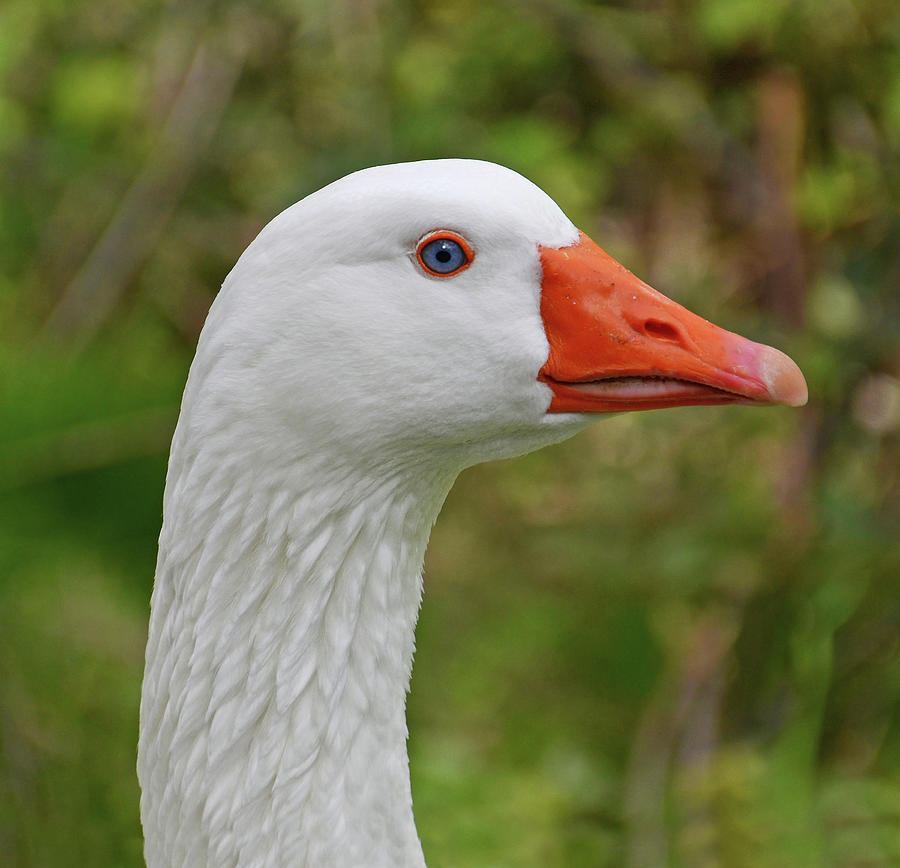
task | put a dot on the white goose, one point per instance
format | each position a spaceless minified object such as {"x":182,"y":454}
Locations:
{"x":376,"y":338}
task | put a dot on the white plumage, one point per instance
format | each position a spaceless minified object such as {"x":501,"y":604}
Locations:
{"x":337,"y":391}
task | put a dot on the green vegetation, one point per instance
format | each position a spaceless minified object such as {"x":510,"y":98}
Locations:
{"x":672,"y":641}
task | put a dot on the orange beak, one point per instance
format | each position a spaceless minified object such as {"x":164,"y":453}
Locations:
{"x":617,"y":344}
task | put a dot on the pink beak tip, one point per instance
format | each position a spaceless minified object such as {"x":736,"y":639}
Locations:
{"x":785,"y":381}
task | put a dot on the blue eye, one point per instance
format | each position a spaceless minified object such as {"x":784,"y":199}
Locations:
{"x":444,"y":253}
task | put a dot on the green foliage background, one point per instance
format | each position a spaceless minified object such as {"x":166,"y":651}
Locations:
{"x":672,"y":641}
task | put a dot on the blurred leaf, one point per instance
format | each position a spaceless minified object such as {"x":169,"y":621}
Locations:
{"x":96,"y":93}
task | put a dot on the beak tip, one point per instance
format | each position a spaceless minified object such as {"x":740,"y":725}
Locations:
{"x":784,"y":379}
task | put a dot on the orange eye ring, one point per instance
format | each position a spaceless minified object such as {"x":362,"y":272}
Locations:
{"x":455,"y":255}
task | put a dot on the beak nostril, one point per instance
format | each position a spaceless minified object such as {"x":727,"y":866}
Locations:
{"x":655,"y":328}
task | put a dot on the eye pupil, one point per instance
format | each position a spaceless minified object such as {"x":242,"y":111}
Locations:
{"x":443,"y":256}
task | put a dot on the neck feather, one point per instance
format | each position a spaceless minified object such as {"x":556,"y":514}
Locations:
{"x":273,"y":724}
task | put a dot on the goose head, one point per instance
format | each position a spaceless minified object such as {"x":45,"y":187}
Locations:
{"x":448,"y":311}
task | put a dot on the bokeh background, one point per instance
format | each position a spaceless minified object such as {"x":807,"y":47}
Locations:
{"x":671,"y":641}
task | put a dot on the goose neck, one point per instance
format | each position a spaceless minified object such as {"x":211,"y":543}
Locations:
{"x":280,"y":651}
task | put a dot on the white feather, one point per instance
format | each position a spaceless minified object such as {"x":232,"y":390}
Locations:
{"x":336,"y":393}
